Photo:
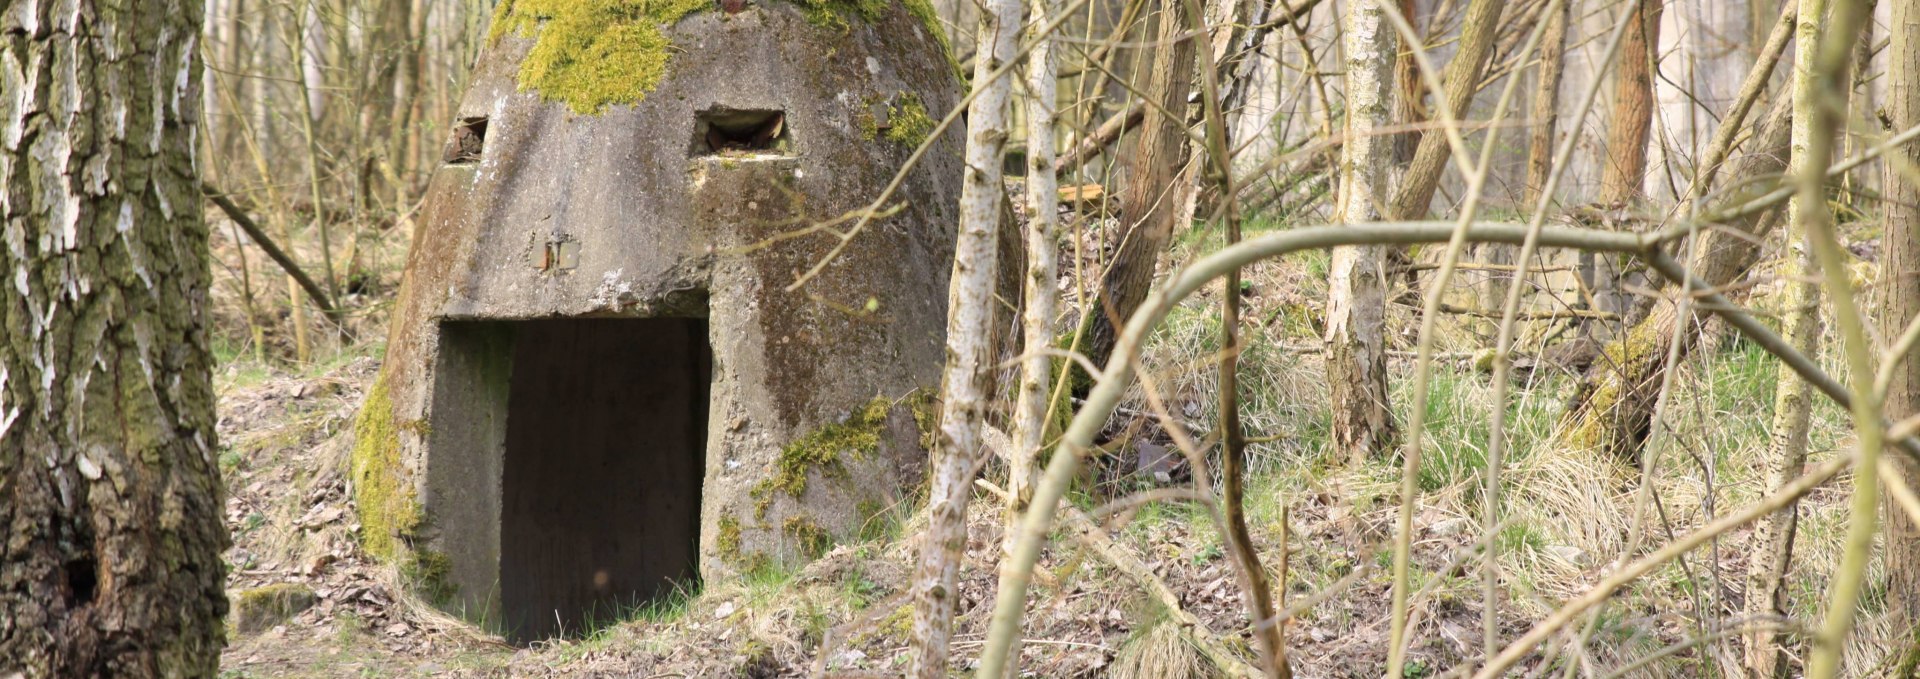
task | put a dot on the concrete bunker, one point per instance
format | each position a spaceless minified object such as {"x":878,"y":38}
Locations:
{"x":601,"y":384}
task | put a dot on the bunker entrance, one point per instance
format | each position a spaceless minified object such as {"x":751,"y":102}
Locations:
{"x":600,"y":487}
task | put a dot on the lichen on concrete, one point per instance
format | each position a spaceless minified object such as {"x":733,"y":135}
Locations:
{"x":387,"y":506}
{"x":911,"y":124}
{"x":907,"y":121}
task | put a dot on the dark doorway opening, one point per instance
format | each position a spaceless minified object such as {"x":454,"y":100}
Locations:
{"x":605,"y":451}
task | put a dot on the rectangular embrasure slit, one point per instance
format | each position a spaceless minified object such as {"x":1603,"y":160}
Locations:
{"x":718,"y":131}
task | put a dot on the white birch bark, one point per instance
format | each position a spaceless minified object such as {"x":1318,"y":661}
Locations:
{"x":1357,"y":295}
{"x":1043,"y":223}
{"x":970,"y":302}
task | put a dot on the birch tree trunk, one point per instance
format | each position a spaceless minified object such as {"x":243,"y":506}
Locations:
{"x":1793,"y":397}
{"x":1043,"y":223}
{"x":1155,"y":195}
{"x":110,"y":500}
{"x":1899,"y":304}
{"x":1625,"y":165}
{"x":969,"y":367}
{"x":1357,"y":294}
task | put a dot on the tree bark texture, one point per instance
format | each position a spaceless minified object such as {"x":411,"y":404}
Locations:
{"x":1043,"y":248}
{"x":1356,"y":280}
{"x":1899,"y":304}
{"x":1461,"y":78}
{"x":110,"y":500}
{"x":1153,"y":200}
{"x":1793,"y":397}
{"x":1546,"y":99}
{"x":1624,"y":168}
{"x":971,"y":316}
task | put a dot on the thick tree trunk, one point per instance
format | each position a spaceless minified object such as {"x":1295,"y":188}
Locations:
{"x":1793,"y":397}
{"x":971,"y":312}
{"x":1625,"y":165}
{"x":1899,"y":304}
{"x":1153,"y":200}
{"x":109,"y":497}
{"x":1356,"y":280}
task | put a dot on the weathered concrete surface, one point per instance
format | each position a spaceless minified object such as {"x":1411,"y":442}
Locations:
{"x":613,"y":215}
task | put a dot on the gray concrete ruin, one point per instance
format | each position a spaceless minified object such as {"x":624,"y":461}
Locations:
{"x":597,"y":387}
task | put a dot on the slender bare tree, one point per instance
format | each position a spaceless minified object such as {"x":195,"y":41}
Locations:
{"x":1461,"y":80}
{"x":969,"y":367}
{"x":1899,"y":306}
{"x":1793,"y":397}
{"x":109,"y":496}
{"x":1155,"y":198}
{"x":1043,"y":249}
{"x":1356,"y":281}
{"x":1629,"y":127}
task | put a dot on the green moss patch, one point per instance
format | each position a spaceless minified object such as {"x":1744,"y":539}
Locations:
{"x":812,"y":539}
{"x":1593,"y":419}
{"x":837,"y":13}
{"x":822,"y":450}
{"x":261,"y":608}
{"x":430,"y":574}
{"x":592,"y":53}
{"x":387,"y":506}
{"x":907,"y":121}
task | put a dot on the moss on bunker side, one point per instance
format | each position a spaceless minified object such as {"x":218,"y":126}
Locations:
{"x":386,"y":502}
{"x":590,"y":54}
{"x":835,"y":14}
{"x":821,"y":449}
{"x":813,"y":539}
{"x":727,"y":543}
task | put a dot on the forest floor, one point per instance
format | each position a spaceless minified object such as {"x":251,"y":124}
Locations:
{"x":285,"y":433}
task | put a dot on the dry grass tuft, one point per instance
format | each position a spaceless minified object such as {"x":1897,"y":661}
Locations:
{"x":1159,"y":651}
